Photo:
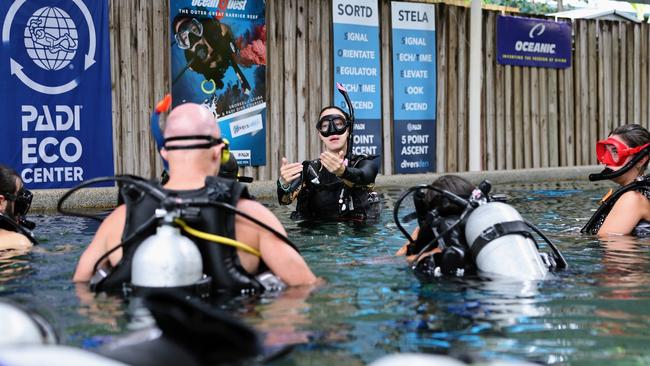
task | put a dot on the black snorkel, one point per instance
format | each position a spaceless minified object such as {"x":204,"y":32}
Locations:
{"x":611,"y":174}
{"x":350,"y":117}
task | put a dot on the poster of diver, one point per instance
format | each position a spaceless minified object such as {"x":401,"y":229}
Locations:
{"x":218,"y":59}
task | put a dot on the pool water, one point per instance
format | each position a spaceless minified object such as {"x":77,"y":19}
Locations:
{"x":596,"y":312}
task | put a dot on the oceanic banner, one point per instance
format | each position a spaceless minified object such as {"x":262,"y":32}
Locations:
{"x":533,"y":42}
{"x":55,"y":91}
{"x":357,"y":66}
{"x":414,"y":87}
{"x":218,"y":57}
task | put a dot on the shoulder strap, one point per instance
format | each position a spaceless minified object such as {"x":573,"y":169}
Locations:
{"x":601,"y":213}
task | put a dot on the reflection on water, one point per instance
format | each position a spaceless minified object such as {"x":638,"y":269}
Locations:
{"x":371,"y":305}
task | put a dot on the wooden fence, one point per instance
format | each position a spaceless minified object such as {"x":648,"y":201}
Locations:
{"x":531,"y":117}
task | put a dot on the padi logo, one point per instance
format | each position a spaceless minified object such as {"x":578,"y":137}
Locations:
{"x":221,"y":4}
{"x":51,"y":40}
{"x":413,"y":127}
{"x":539,"y":27}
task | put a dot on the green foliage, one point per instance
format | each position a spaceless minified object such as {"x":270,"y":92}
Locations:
{"x":527,"y":7}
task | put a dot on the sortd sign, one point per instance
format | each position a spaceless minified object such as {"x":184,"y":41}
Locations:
{"x":55,"y":91}
{"x":355,"y":32}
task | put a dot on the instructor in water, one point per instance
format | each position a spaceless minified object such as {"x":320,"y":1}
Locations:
{"x":337,"y":185}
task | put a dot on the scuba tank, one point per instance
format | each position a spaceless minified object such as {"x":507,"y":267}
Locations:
{"x":501,"y":243}
{"x":482,"y":234}
{"x":166,"y":259}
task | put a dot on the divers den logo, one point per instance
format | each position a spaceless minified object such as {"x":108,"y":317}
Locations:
{"x":51,"y":41}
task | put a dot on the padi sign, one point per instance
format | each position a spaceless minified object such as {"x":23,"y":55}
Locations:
{"x":533,"y":42}
{"x":56,"y":91}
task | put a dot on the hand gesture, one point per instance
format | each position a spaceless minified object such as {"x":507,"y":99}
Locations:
{"x":289,"y":171}
{"x":333,"y":163}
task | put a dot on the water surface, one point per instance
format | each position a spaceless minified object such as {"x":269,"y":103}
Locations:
{"x":596,"y":312}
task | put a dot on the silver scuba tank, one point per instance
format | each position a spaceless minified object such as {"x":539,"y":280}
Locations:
{"x":166,"y":259}
{"x":510,"y":255}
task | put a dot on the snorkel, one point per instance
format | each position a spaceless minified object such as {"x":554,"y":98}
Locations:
{"x":608,"y":173}
{"x":344,"y":93}
{"x":162,"y":106}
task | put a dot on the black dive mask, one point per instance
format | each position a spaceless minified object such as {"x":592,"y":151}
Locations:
{"x":22,"y":202}
{"x":332,"y":124}
{"x":211,"y":141}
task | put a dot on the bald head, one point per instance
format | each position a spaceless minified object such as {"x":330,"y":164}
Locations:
{"x":190,"y":119}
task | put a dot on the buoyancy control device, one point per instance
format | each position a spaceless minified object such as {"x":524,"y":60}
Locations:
{"x":490,"y":236}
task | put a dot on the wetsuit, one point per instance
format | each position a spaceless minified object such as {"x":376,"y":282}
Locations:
{"x":641,"y":185}
{"x":323,"y":195}
{"x":220,"y":262}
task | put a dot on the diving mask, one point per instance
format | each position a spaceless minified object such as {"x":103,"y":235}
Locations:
{"x":188,"y":33}
{"x":332,"y":124}
{"x":614,"y":152}
{"x":22,"y":201}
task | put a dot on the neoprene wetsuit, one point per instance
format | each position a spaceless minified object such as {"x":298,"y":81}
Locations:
{"x":323,"y":195}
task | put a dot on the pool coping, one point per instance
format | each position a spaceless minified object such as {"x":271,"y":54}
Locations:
{"x":46,"y":200}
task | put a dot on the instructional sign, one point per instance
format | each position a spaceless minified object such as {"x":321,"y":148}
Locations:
{"x":533,"y":42}
{"x":357,"y":66}
{"x":414,"y":87}
{"x":218,"y":58}
{"x":55,"y":91}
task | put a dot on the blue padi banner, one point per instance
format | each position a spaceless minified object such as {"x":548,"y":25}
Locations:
{"x":218,"y":58}
{"x":55,"y":91}
{"x":414,"y":86}
{"x":533,"y":42}
{"x":357,"y":67}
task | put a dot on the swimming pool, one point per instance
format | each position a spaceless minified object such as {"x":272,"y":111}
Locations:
{"x":596,"y":312}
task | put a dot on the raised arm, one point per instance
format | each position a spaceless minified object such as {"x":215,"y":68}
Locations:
{"x":363,"y":174}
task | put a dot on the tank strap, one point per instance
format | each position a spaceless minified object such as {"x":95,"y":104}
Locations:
{"x":598,"y":218}
{"x":496,"y":231}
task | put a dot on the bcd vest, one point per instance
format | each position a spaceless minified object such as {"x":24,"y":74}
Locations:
{"x":641,"y":184}
{"x":220,"y":262}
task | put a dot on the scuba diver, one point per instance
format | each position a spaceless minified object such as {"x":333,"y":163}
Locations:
{"x":625,"y":155}
{"x":462,"y":230}
{"x":15,"y":201}
{"x":209,"y":48}
{"x":127,"y":247}
{"x":337,"y":185}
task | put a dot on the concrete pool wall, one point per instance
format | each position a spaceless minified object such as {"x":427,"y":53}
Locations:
{"x":46,"y":200}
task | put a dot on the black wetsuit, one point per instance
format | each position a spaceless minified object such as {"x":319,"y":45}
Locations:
{"x":323,"y":195}
{"x":220,"y":262}
{"x":641,"y":185}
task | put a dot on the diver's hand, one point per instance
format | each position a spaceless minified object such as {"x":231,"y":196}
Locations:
{"x":333,"y":163}
{"x":289,"y":171}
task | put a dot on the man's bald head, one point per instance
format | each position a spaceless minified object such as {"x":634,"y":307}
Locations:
{"x":190,"y":119}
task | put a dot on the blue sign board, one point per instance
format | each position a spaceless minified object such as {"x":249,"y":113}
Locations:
{"x":55,"y":91}
{"x":414,"y":87}
{"x":357,"y":66}
{"x":533,"y":42}
{"x":218,"y":59}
